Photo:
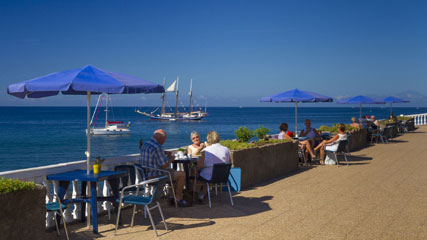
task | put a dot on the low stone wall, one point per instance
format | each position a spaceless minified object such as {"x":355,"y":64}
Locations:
{"x":23,"y":214}
{"x":358,"y":139}
{"x":263,"y":163}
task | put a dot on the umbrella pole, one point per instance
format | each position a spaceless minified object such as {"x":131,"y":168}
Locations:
{"x":88,"y":134}
{"x":391,"y":108}
{"x":360,"y":113}
{"x":296,"y":119}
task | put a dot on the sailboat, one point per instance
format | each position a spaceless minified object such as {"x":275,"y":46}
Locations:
{"x":176,"y":116}
{"x":111,"y":127}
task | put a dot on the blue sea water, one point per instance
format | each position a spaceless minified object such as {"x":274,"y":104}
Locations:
{"x":37,"y":136}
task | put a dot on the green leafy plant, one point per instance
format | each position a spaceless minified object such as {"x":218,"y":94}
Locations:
{"x":235,"y":145}
{"x":334,"y":128}
{"x":261,"y":132}
{"x":181,"y":149}
{"x":244,"y":134}
{"x":99,"y":160}
{"x":10,"y":185}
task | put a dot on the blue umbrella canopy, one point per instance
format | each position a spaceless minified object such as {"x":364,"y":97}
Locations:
{"x":80,"y":81}
{"x":359,"y":100}
{"x":392,"y":100}
{"x":83,"y":81}
{"x":296,"y":96}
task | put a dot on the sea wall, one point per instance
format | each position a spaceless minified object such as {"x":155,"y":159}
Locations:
{"x":263,"y":163}
{"x":23,"y":214}
{"x":358,"y":139}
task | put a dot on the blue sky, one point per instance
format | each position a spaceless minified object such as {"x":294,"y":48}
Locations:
{"x":235,"y":51}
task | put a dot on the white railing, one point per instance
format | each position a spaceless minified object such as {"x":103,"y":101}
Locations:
{"x":39,"y":174}
{"x":419,"y":119}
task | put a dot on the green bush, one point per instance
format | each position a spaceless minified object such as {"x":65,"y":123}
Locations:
{"x":403,"y":118}
{"x":334,"y":128}
{"x":234,"y":145}
{"x":261,"y":132}
{"x":244,"y":134}
{"x":11,"y":185}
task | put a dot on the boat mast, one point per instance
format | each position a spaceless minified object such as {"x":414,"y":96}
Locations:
{"x":163,"y":98}
{"x":106,"y":110}
{"x":176,"y":104}
{"x":191,"y":95}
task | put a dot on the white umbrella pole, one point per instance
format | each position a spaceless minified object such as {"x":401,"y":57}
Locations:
{"x":88,"y":134}
{"x":360,"y":113}
{"x":296,"y":119}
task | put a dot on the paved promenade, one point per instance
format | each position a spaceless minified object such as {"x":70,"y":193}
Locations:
{"x":381,"y":195}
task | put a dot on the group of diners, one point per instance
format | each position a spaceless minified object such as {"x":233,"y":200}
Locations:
{"x":209,"y":153}
{"x":311,"y":142}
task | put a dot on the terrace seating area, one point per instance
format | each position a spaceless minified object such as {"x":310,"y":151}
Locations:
{"x":379,"y":196}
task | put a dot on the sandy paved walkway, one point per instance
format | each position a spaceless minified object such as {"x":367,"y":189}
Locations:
{"x":381,"y":195}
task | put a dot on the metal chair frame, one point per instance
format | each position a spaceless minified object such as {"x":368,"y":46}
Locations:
{"x":145,"y":203}
{"x":342,"y":148}
{"x":141,"y":168}
{"x":220,"y":181}
{"x":58,"y":201}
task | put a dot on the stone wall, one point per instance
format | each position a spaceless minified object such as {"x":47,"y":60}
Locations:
{"x":263,"y":163}
{"x":23,"y":214}
{"x":358,"y":139}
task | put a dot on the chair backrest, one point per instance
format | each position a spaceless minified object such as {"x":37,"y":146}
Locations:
{"x":388,"y":131}
{"x":141,"y":171}
{"x":157,"y":188}
{"x":130,"y":169}
{"x":342,"y":145}
{"x":220,"y":172}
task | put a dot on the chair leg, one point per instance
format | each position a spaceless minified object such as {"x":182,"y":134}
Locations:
{"x":345,"y":157}
{"x":229,"y":193}
{"x":161,"y":214}
{"x":118,"y":217}
{"x":151,"y":220}
{"x":336,"y":158}
{"x":209,"y":194}
{"x":133,"y":215}
{"x":173,"y":190}
{"x":216,"y":189}
{"x":56,"y":222}
{"x":65,"y":225}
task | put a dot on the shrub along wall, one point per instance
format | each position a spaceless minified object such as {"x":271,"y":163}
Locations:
{"x":23,"y":214}
{"x":263,"y":163}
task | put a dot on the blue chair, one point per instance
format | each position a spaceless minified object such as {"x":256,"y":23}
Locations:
{"x":57,"y":207}
{"x":342,"y":148}
{"x":381,"y":134}
{"x":149,"y":202}
{"x":220,"y":173}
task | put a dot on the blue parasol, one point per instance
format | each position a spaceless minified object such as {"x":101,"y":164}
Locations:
{"x":392,"y":100}
{"x":359,"y":100}
{"x":83,"y":81}
{"x":296,"y":96}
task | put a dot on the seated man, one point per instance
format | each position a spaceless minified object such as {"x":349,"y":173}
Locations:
{"x":153,"y":156}
{"x":374,"y":123}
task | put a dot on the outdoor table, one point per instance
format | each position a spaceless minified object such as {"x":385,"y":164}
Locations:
{"x":80,"y":175}
{"x":186,"y":162}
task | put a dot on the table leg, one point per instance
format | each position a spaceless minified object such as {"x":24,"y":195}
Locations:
{"x":187,"y":177}
{"x":93,"y":206}
{"x":62,"y":190}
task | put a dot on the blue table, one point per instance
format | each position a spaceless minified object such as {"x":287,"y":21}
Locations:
{"x":80,"y":175}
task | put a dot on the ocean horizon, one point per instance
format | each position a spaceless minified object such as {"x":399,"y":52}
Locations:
{"x":38,"y":136}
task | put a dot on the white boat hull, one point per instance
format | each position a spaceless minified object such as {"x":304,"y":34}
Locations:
{"x":110,"y":130}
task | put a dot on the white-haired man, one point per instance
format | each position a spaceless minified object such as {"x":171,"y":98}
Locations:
{"x":153,"y":156}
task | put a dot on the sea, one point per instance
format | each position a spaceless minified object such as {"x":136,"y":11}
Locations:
{"x":38,"y":136}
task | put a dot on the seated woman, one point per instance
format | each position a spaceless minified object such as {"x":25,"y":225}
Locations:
{"x":197,"y":146}
{"x":214,"y":153}
{"x":303,"y":145}
{"x":332,"y":144}
{"x":355,"y":123}
{"x":284,"y":133}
